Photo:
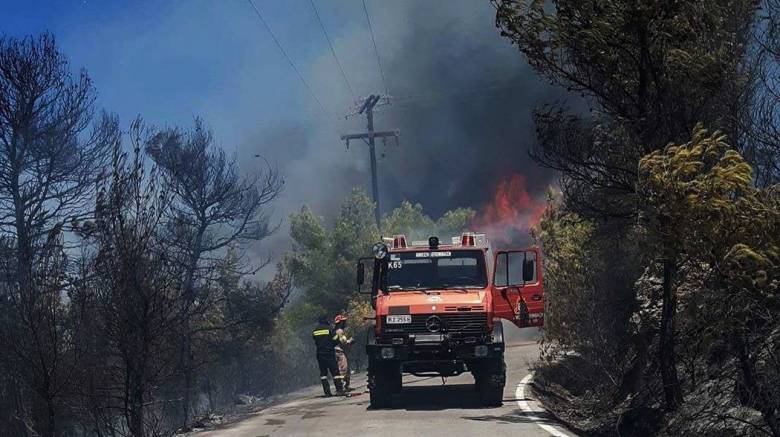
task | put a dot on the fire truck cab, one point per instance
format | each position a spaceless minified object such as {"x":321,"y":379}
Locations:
{"x":439,"y":309}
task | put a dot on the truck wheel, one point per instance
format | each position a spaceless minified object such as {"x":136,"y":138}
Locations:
{"x":384,"y":381}
{"x":491,"y":381}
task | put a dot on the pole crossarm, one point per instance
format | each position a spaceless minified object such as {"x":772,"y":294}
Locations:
{"x":369,"y":135}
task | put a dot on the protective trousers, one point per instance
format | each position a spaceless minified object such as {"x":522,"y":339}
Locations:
{"x":327,"y":363}
{"x":341,"y":358}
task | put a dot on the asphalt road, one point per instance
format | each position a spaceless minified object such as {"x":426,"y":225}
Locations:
{"x":426,"y":407}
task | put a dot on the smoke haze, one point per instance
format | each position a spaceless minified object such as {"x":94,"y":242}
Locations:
{"x":463,"y":98}
{"x":462,"y":94}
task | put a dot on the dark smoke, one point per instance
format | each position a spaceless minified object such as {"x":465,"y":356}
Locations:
{"x":456,"y":148}
{"x":463,"y":102}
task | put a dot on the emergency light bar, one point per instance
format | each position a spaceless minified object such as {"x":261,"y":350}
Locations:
{"x":471,"y":239}
{"x":399,"y":241}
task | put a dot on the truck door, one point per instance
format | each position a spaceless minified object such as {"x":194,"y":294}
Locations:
{"x":518,"y":295}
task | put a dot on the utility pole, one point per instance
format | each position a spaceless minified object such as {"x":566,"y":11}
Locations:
{"x":367,"y":107}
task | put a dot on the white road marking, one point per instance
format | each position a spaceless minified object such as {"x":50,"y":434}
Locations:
{"x":529,"y":408}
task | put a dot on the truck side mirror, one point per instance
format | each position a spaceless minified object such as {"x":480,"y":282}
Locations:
{"x":528,"y":270}
{"x":361,"y":274}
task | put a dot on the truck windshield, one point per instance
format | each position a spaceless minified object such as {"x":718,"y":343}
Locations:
{"x":436,"y":269}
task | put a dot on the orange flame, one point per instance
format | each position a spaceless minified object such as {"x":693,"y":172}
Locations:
{"x":511,"y":213}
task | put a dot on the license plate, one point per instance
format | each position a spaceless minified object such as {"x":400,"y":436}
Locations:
{"x":399,"y":319}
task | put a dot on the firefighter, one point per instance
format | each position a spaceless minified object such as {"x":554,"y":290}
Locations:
{"x":326,"y":339}
{"x":343,"y":343}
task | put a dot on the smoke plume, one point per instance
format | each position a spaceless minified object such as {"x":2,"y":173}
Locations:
{"x":463,"y":98}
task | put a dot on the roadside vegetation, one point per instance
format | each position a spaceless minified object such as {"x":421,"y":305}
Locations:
{"x":129,"y":304}
{"x":126,"y":304}
{"x":128,"y":301}
{"x":662,"y":244}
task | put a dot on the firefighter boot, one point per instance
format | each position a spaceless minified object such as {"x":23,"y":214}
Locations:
{"x":339,"y":386}
{"x":326,"y":386}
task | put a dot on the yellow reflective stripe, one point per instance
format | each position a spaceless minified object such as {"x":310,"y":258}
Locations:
{"x":324,"y":378}
{"x":338,"y":377}
{"x":336,"y":337}
{"x":321,"y":332}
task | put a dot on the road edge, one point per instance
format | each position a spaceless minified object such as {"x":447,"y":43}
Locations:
{"x":532,"y":408}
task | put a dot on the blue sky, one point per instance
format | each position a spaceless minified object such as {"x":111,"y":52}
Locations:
{"x":171,"y":60}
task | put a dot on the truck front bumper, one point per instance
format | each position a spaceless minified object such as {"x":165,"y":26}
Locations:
{"x":433,"y":351}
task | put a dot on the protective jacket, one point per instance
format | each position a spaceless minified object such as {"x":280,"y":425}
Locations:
{"x":325,"y":339}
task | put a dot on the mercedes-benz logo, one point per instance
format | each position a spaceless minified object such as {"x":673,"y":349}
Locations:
{"x":433,"y":324}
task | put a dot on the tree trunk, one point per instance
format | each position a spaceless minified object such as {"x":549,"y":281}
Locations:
{"x":668,"y":362}
{"x":188,"y":375}
{"x":137,"y":410}
{"x":189,"y":296}
{"x":52,"y":417}
{"x":27,"y":310}
{"x":632,"y":379}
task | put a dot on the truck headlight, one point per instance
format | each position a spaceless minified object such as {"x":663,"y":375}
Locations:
{"x":387,"y":353}
{"x":480,"y":351}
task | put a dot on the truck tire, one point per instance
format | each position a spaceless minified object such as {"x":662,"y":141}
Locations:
{"x":498,"y":332}
{"x":490,"y":382}
{"x":384,"y":381}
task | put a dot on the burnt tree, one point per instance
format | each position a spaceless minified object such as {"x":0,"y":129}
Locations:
{"x":52,"y":148}
{"x":213,"y":208}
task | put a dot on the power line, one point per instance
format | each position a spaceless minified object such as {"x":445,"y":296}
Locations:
{"x":281,"y":49}
{"x":332,"y":50}
{"x":376,"y":51}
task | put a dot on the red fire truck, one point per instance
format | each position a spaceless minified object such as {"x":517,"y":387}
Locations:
{"x":438,"y":308}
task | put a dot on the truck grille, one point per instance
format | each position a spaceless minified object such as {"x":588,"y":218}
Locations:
{"x":458,"y":325}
